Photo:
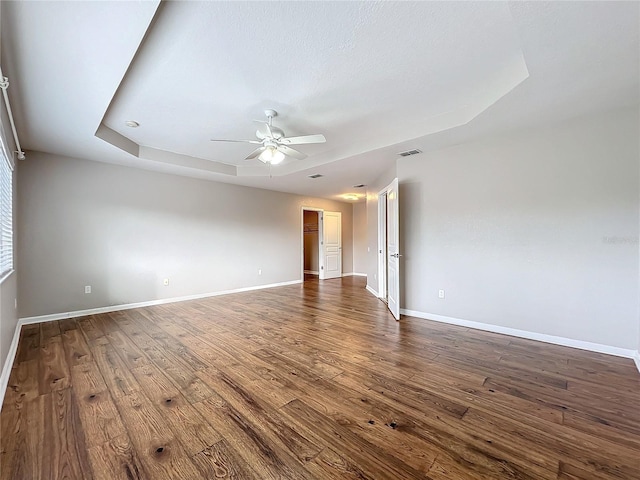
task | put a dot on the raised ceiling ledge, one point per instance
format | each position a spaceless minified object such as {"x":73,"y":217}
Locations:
{"x":480,"y":77}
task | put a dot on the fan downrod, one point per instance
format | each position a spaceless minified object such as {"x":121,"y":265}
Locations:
{"x":270,"y":113}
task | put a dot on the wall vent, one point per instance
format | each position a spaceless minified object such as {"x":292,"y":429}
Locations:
{"x":360,"y":185}
{"x":316,"y":175}
{"x":410,"y":152}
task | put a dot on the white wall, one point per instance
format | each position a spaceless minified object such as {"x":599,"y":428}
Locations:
{"x":123,"y":230}
{"x":536,"y":230}
{"x":360,"y":237}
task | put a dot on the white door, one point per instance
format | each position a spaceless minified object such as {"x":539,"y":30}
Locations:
{"x":393,"y":250}
{"x":332,"y":245}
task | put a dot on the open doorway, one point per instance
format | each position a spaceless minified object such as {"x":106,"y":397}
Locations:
{"x":388,"y":246}
{"x":311,"y":244}
{"x":321,"y":244}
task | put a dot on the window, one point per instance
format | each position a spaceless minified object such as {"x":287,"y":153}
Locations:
{"x":6,"y":212}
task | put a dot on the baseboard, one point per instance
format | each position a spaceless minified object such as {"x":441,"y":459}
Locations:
{"x":636,"y":358}
{"x":311,"y":272}
{"x":8,"y":363}
{"x":354,"y":274}
{"x":128,"y":306}
{"x":372,"y":291}
{"x":541,"y":337}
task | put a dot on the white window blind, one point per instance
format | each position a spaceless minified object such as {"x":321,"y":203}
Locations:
{"x":6,"y":212}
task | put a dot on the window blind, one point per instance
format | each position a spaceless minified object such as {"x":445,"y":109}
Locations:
{"x":6,"y":212}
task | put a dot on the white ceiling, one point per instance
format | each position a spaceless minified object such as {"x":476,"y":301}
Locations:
{"x":375,"y":78}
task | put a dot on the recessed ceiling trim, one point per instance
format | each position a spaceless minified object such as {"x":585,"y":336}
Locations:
{"x":118,"y":140}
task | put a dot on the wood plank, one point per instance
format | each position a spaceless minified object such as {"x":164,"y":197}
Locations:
{"x":64,"y":449}
{"x":160,"y":453}
{"x":131,"y":355}
{"x":53,"y":371}
{"x":75,"y":347}
{"x":23,"y":439}
{"x":220,"y":461}
{"x":367,"y":456}
{"x":98,"y":414}
{"x":309,"y":381}
{"x":241,"y":394}
{"x":29,"y":344}
{"x":49,"y":330}
{"x":119,"y":380}
{"x":186,"y":422}
{"x":116,"y":459}
{"x":268,"y":460}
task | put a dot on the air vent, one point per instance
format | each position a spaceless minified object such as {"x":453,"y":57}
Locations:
{"x":409,"y":153}
{"x":316,"y":175}
{"x":361,"y":185}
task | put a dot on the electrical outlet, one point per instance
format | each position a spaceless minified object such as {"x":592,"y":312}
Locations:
{"x":440,"y":293}
{"x":165,"y":282}
{"x":87,"y":289}
{"x":259,"y":271}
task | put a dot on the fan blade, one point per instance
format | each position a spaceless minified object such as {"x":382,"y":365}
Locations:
{"x":255,"y":153}
{"x":319,"y":138}
{"x":236,"y":141}
{"x":292,"y":152}
{"x":269,"y":131}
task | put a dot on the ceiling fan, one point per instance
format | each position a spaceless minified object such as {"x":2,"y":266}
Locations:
{"x":274,"y":143}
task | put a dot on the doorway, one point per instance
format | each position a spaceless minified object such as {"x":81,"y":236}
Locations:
{"x":321,"y":244}
{"x":311,"y":244}
{"x":388,"y":248}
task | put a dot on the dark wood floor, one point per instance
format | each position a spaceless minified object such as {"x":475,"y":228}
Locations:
{"x":312,"y":381}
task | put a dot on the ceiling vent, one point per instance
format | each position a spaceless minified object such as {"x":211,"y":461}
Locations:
{"x":410,"y":152}
{"x":361,"y":185}
{"x":316,"y":175}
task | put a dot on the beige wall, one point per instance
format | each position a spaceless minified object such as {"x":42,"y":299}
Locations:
{"x":123,"y":230}
{"x":360,"y":237}
{"x":311,"y":241}
{"x":536,"y":231}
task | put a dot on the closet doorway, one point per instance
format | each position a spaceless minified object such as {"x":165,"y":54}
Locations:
{"x":321,"y":244}
{"x":311,"y":244}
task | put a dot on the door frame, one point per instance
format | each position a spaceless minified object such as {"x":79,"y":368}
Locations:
{"x":382,"y":243}
{"x":320,"y":234}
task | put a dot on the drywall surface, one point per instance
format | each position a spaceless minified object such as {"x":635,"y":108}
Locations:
{"x":360,"y":237}
{"x":536,"y":231}
{"x":122,"y":231}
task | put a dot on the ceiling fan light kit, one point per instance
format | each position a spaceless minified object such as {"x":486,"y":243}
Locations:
{"x":271,"y":155}
{"x":274,"y":144}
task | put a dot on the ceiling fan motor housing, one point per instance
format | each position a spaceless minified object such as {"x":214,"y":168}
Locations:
{"x":277,"y":133}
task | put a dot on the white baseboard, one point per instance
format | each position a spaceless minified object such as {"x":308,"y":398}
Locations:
{"x":128,"y":306}
{"x":636,"y":358}
{"x":541,"y":337}
{"x":8,"y":362}
{"x":372,"y":291}
{"x":311,"y":272}
{"x":354,"y":274}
